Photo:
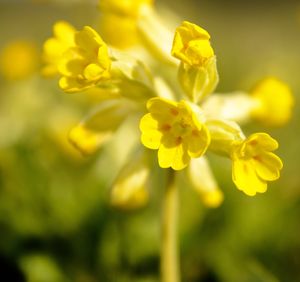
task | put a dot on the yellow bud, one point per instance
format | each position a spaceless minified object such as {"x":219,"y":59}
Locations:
{"x":204,"y":183}
{"x":98,"y":127}
{"x":87,"y":141}
{"x":274,"y":102}
{"x":18,"y":60}
{"x":191,"y":45}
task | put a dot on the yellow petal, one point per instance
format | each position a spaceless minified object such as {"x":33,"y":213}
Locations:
{"x":92,"y":71}
{"x":262,"y":140}
{"x":162,"y":109}
{"x":268,"y":166}
{"x":151,"y":136}
{"x":245,"y":178}
{"x":64,"y":31}
{"x":198,"y":142}
{"x":175,"y":157}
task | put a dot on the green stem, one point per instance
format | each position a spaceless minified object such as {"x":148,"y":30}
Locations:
{"x":169,"y":247}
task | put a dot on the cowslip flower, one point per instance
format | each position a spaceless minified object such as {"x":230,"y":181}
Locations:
{"x":175,"y":122}
{"x":273,"y":102}
{"x":175,"y":130}
{"x":55,"y":47}
{"x":85,"y":64}
{"x":18,"y":59}
{"x":254,"y":164}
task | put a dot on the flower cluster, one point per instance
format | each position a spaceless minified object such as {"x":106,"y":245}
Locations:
{"x":166,"y":81}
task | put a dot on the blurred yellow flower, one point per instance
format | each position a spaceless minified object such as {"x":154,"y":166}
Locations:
{"x":55,"y":47}
{"x":254,"y":164}
{"x":191,"y":45}
{"x":274,"y":102}
{"x":130,"y":188}
{"x":99,"y":126}
{"x":125,"y":8}
{"x":86,"y":64}
{"x":202,"y":180}
{"x":118,"y":31}
{"x":19,"y":60}
{"x":176,"y":130}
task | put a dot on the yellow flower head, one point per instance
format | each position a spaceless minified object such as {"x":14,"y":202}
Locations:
{"x":86,"y":64}
{"x":191,"y":45}
{"x":254,"y":163}
{"x":55,"y":47}
{"x":125,"y":8}
{"x":274,"y":102}
{"x":120,"y":32}
{"x":18,"y":60}
{"x":176,"y":130}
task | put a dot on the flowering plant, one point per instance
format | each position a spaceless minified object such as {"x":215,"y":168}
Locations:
{"x":165,"y":81}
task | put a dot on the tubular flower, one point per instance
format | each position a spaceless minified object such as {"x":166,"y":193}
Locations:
{"x":254,"y":164}
{"x":274,"y":102}
{"x":85,"y":64}
{"x":191,"y":45}
{"x":176,"y":130}
{"x":197,"y":72}
{"x":55,"y":47}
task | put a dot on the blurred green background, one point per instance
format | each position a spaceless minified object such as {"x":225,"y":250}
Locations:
{"x":56,"y":224}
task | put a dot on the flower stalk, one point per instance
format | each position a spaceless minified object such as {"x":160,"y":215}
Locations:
{"x":169,"y":249}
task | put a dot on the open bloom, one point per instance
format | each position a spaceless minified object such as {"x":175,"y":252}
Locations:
{"x":86,"y":63}
{"x":175,"y":130}
{"x":55,"y":47}
{"x":254,"y":164}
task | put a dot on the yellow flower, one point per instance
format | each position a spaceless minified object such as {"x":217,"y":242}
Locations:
{"x":120,"y":32}
{"x":191,"y":45}
{"x":126,"y":8}
{"x":55,"y":47}
{"x":86,"y":64}
{"x":18,"y":60}
{"x":197,"y":73}
{"x":99,"y":126}
{"x":254,"y":164}
{"x":176,"y":130}
{"x":274,"y":102}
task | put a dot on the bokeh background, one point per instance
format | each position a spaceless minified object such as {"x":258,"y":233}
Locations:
{"x":56,"y":224}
